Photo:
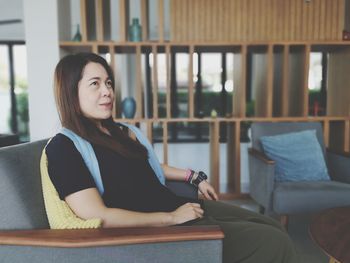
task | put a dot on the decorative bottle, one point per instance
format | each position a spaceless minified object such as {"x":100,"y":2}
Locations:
{"x":77,"y":36}
{"x":135,"y":34}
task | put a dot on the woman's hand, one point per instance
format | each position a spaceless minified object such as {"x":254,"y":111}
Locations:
{"x":186,"y":212}
{"x":207,"y":190}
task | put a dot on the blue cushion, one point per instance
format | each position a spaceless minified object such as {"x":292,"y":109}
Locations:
{"x":298,"y":156}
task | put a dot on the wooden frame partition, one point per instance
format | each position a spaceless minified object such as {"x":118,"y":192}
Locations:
{"x":295,"y":60}
{"x":155,"y":81}
{"x":83,"y":20}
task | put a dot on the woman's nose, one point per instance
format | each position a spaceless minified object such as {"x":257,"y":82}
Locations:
{"x":105,"y":90}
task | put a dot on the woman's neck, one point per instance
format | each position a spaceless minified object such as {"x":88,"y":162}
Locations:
{"x":102,"y":129}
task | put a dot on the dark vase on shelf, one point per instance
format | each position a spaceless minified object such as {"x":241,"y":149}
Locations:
{"x":128,"y":107}
{"x":77,"y":36}
{"x":135,"y":34}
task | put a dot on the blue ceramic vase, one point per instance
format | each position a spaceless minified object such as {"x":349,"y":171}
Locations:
{"x":129,"y":107}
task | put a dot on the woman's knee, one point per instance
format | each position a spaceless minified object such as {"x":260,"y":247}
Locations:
{"x":259,"y":243}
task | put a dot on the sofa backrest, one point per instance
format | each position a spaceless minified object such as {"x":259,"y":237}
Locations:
{"x":21,"y":198}
{"x":260,"y":129}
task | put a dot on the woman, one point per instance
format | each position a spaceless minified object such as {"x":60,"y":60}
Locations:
{"x":127,"y":192}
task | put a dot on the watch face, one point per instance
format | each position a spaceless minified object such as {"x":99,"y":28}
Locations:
{"x":202,"y":175}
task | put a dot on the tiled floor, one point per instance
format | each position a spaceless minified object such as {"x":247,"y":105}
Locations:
{"x":298,"y":230}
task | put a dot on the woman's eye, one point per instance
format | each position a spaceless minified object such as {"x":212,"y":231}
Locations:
{"x":94,"y":83}
{"x":109,"y":83}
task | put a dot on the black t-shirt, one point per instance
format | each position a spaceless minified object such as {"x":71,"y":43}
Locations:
{"x":128,"y":183}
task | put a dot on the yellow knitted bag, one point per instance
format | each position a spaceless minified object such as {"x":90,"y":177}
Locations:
{"x":58,"y":212}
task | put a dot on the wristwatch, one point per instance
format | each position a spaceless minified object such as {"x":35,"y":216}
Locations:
{"x":201,"y":177}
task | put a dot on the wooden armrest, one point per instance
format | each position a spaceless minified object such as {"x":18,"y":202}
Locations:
{"x":341,"y":153}
{"x":68,"y":238}
{"x":261,"y":156}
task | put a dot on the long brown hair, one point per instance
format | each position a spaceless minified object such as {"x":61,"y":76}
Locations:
{"x":68,"y":73}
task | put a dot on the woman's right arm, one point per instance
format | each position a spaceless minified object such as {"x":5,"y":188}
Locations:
{"x":88,"y":204}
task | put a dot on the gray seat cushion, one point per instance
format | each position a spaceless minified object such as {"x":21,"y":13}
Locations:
{"x":303,"y":197}
{"x":22,"y":205}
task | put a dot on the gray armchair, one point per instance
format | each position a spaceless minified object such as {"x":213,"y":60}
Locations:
{"x":25,"y":237}
{"x":287,"y":198}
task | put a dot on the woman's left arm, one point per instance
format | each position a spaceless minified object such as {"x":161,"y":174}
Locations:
{"x":177,"y":174}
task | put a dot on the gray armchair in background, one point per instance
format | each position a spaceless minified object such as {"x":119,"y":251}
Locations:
{"x":25,"y":235}
{"x":287,"y":198}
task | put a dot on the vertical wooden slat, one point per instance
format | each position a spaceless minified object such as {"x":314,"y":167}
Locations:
{"x":206,"y":22}
{"x":237,"y":157}
{"x":95,"y":49}
{"x":190,"y":83}
{"x":214,"y":155}
{"x":227,"y":14}
{"x":249,"y":22}
{"x":274,"y":20}
{"x":341,"y":19}
{"x":112,"y":56}
{"x":285,"y":81}
{"x":323,"y":21}
{"x":220,"y":21}
{"x":244,"y":23}
{"x":305,"y":93}
{"x":200,"y":24}
{"x":144,"y":19}
{"x":155,"y":81}
{"x":177,"y":17}
{"x":286,"y":19}
{"x":99,"y":19}
{"x":269,"y":84}
{"x":326,"y":132}
{"x":138,"y":93}
{"x":116,"y":91}
{"x":257,"y":24}
{"x":183,"y":20}
{"x":83,"y":20}
{"x":123,"y":20}
{"x":347,"y":136}
{"x":160,"y":20}
{"x":311,"y":14}
{"x":150,"y":131}
{"x":238,"y":25}
{"x":328,"y":18}
{"x":335,"y":15}
{"x":304,"y":8}
{"x":168,"y":81}
{"x":243,"y":83}
{"x":165,"y":142}
{"x":190,"y":25}
{"x":271,"y":20}
{"x":173,"y":11}
{"x":266,"y":20}
{"x":292,"y":34}
{"x":316,"y":21}
{"x":298,"y":19}
{"x":230,"y":156}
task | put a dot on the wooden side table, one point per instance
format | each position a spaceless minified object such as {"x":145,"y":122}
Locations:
{"x":331,"y":231}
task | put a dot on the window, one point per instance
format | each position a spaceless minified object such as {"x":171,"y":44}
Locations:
{"x":13,"y":89}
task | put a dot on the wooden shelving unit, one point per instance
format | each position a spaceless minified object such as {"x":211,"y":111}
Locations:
{"x":279,"y":44}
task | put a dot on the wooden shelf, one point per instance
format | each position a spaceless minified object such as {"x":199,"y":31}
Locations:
{"x":206,"y":43}
{"x":249,"y":119}
{"x":273,"y":49}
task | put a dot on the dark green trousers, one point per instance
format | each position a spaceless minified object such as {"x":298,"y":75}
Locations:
{"x":249,"y":237}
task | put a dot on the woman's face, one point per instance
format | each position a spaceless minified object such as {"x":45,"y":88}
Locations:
{"x":95,"y":92}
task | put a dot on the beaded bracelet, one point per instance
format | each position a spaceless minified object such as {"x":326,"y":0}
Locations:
{"x":189,"y":175}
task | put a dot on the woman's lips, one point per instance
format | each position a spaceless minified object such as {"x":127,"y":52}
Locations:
{"x":107,"y":105}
